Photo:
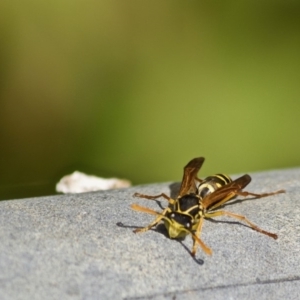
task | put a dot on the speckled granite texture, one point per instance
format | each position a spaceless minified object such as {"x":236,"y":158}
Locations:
{"x":82,"y":247}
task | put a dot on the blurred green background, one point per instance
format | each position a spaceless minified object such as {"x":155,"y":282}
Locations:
{"x":135,"y":89}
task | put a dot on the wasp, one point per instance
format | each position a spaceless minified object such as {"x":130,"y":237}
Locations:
{"x":198,"y":200}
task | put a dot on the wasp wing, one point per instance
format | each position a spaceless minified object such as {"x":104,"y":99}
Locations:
{"x":225,"y":192}
{"x":189,"y":174}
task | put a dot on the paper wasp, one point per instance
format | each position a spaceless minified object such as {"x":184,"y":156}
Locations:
{"x":186,"y":213}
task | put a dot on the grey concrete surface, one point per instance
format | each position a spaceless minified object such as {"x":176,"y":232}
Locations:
{"x":82,"y":247}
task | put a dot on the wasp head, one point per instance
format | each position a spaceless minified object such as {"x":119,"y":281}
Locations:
{"x":178,"y":224}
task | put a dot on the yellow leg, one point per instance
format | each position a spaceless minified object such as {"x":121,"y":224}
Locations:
{"x":170,"y":200}
{"x":149,"y":211}
{"x":198,"y":179}
{"x":206,"y":249}
{"x":240,"y":218}
{"x":245,"y":194}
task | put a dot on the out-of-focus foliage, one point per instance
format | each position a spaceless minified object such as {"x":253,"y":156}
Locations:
{"x":135,"y":89}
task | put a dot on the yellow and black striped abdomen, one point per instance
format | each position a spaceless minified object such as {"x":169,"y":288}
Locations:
{"x":212,"y":183}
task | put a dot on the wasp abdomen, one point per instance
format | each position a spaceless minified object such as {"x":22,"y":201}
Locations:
{"x":212,"y":183}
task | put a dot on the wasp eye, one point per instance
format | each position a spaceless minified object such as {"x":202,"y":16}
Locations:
{"x":172,"y":215}
{"x":188,"y":225}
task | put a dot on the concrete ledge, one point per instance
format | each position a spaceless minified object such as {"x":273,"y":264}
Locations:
{"x":82,"y":247}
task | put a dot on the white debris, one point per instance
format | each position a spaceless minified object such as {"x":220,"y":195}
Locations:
{"x":78,"y":182}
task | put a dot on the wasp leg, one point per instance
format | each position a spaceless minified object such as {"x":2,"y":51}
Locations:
{"x":240,"y":218}
{"x":149,"y":211}
{"x":245,"y":194}
{"x":198,"y":179}
{"x":206,"y":249}
{"x":170,"y":200}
